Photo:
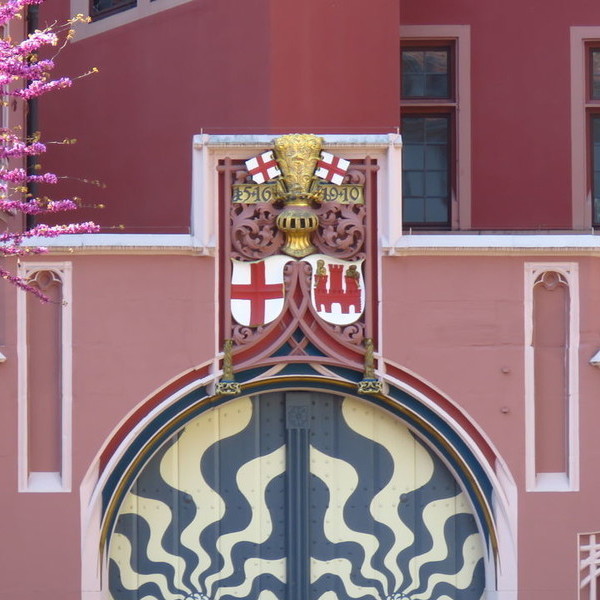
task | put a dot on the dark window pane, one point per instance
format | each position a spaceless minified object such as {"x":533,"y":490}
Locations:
{"x":436,"y":157}
{"x":595,"y":74}
{"x":413,"y":61}
{"x":413,"y":183}
{"x":436,"y":61}
{"x":596,"y":212}
{"x":596,"y":155}
{"x":596,"y":129}
{"x":413,"y":210}
{"x":413,"y":85}
{"x":436,"y":210}
{"x":436,"y":86}
{"x":413,"y":130}
{"x":436,"y":183}
{"x":414,"y":157}
{"x":597,"y":184}
{"x":104,"y":8}
{"x":426,"y":170}
{"x":436,"y":130}
{"x":596,"y":61}
{"x":596,"y":168}
{"x":425,"y":73}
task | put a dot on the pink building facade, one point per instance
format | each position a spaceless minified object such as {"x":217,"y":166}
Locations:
{"x":440,"y":442}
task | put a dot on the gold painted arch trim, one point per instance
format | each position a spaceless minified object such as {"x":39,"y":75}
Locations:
{"x":417,"y":423}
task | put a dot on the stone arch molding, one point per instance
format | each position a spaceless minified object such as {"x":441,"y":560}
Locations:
{"x":434,"y":420}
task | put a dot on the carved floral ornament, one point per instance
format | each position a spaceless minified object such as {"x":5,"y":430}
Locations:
{"x":303,"y":204}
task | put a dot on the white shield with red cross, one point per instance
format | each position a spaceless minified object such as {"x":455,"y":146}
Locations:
{"x":338,"y":289}
{"x":257,"y":291}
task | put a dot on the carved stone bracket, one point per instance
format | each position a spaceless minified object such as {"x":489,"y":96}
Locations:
{"x":254,"y":233}
{"x":370,"y":384}
{"x":228,"y":386}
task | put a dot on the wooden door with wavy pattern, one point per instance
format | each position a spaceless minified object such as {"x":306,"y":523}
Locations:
{"x":295,"y":496}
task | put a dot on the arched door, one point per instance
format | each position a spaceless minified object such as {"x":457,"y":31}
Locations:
{"x":295,"y":496}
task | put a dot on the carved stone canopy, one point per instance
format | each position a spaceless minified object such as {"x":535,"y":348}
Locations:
{"x":297,"y":213}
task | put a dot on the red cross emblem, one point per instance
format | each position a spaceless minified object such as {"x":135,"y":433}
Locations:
{"x":255,"y":302}
{"x":263,"y":167}
{"x":332,"y":168}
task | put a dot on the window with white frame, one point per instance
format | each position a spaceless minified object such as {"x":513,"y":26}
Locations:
{"x":593,"y":110}
{"x":427,"y":125}
{"x":585,"y":127}
{"x":435,"y":80}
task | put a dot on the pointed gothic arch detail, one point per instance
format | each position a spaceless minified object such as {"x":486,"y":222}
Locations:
{"x":433,"y":419}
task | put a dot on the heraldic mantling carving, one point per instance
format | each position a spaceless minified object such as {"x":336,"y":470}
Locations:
{"x":303,"y":291}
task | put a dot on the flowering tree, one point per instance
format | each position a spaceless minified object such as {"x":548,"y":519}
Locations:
{"x":24,"y":76}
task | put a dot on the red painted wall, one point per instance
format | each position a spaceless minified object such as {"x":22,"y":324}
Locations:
{"x":281,"y":66}
{"x":220,"y":67}
{"x":335,"y":66}
{"x":520,"y":102}
{"x":129,"y":338}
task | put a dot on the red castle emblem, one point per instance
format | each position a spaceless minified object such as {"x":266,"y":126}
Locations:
{"x":338,"y":289}
{"x":325,"y":296}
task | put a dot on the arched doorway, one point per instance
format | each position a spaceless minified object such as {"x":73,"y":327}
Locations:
{"x":295,"y":495}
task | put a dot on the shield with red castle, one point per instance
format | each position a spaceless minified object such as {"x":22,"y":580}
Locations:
{"x":338,"y":289}
{"x":257,"y":291}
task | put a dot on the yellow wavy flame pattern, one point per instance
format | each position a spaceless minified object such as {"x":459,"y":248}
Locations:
{"x":412,"y":468}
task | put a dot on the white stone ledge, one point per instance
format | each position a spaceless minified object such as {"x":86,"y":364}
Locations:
{"x":107,"y":243}
{"x":374,"y":140}
{"x":494,"y":243}
{"x":445,"y":243}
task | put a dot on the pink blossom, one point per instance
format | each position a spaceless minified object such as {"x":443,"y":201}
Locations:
{"x":23,"y":76}
{"x":21,"y":283}
{"x":23,"y":251}
{"x":48,"y":231}
{"x":13,"y":147}
{"x":37,"y":207}
{"x":37,"y":88}
{"x":12,"y":8}
{"x":52,"y":231}
{"x":20,"y":176}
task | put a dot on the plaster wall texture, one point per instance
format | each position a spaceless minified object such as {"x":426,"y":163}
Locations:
{"x":138,"y":321}
{"x":458,"y":322}
{"x":455,"y":321}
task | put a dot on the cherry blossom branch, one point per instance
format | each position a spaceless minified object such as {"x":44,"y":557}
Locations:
{"x":24,"y":77}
